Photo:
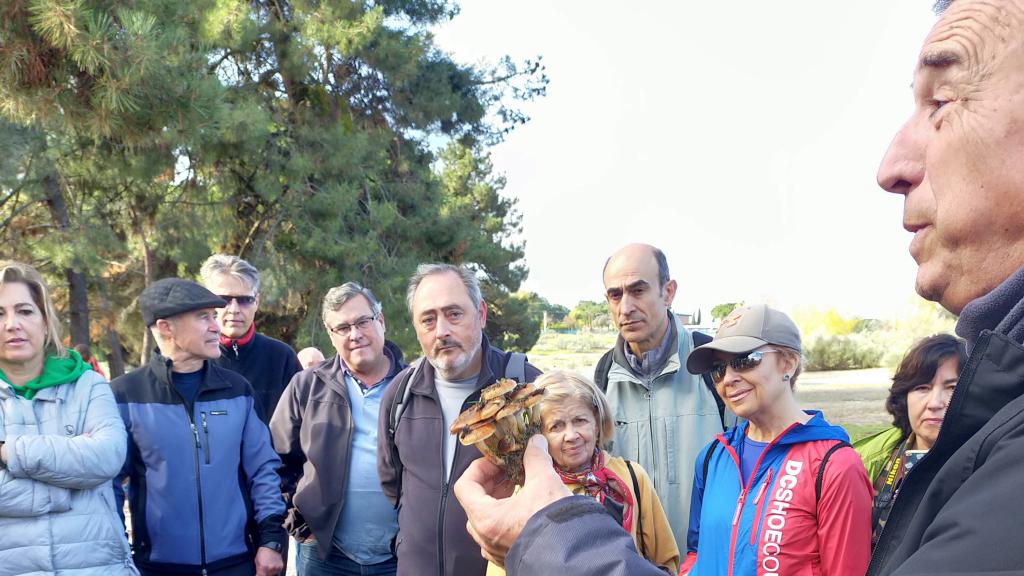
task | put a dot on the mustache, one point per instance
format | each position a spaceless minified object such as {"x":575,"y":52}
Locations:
{"x":447,"y":343}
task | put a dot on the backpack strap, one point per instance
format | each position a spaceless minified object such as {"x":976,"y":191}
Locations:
{"x":639,"y":511}
{"x":394,"y":416}
{"x":515,"y":366}
{"x":821,"y":468}
{"x":707,"y":460}
{"x":699,"y":339}
{"x":604,"y":365}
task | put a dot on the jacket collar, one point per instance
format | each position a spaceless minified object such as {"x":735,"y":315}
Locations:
{"x":817,"y":428}
{"x":1001,"y":310}
{"x":160,"y":366}
{"x":333,"y":370}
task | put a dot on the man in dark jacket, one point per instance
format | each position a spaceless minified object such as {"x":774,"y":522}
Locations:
{"x":448,"y":314}
{"x":957,"y":164}
{"x":200,"y":466}
{"x":325,"y":429}
{"x":267,"y":364}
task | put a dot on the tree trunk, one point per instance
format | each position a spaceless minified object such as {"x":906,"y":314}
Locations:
{"x":115,"y":360}
{"x":147,"y":275}
{"x":78,"y":294}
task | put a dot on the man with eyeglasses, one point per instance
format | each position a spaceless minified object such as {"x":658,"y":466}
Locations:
{"x":449,"y":314}
{"x":325,"y":430}
{"x":663,"y":414}
{"x":267,"y":364}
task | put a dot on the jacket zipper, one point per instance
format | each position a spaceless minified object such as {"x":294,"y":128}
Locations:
{"x":206,"y":434}
{"x":199,"y":490}
{"x":759,"y":505}
{"x":654,"y":435}
{"x":234,"y":346}
{"x":746,"y":488}
{"x":441,"y":510}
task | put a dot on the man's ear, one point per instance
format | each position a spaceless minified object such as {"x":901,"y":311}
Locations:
{"x":668,"y":292}
{"x":163,"y":328}
{"x":483,"y":313}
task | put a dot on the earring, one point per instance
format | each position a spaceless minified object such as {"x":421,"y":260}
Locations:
{"x":786,"y":378}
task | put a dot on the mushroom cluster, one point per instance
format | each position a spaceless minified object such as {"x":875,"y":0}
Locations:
{"x":501,"y":424}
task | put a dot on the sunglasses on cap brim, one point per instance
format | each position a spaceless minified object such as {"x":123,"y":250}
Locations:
{"x":740,"y":364}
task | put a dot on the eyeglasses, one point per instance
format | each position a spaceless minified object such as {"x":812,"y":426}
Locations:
{"x":242,"y":300}
{"x":740,"y":364}
{"x":360,"y":324}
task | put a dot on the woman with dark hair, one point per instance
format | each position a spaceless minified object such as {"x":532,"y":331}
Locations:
{"x":918,"y":398}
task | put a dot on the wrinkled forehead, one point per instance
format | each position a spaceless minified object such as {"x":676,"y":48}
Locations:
{"x":974,"y":34}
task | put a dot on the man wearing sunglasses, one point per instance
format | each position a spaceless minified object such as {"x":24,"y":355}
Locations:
{"x":267,"y":364}
{"x":325,"y":429}
{"x":663,"y":414}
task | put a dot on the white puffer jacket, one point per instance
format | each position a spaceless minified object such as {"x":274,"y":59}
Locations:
{"x":57,"y":511}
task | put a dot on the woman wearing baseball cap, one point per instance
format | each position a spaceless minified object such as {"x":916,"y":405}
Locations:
{"x":782,"y":492}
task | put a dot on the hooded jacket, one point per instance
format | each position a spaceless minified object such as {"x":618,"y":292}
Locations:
{"x":312,"y":431}
{"x":57,"y":512}
{"x":432,"y":536}
{"x":775,"y":523}
{"x":197,"y":478}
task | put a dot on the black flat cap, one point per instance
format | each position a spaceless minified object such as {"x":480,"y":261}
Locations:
{"x":173,"y":296}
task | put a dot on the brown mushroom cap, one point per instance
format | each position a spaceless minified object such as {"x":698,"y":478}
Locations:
{"x":500,"y":388}
{"x":474,"y":434}
{"x":474,"y":414}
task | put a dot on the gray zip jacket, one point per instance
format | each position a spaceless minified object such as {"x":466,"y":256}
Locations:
{"x":57,"y":512}
{"x":664,"y":423}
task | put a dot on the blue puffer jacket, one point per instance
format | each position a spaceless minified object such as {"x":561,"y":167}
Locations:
{"x":57,"y":514}
{"x":197,"y":479}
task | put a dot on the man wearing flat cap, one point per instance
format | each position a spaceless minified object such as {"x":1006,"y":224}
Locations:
{"x":201,"y":470}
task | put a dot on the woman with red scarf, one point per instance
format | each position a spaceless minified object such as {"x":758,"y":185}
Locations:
{"x":577,"y":422}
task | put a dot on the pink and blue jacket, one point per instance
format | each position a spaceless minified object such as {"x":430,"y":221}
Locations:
{"x":775,"y":522}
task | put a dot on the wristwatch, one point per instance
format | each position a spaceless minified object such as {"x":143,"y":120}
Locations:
{"x":275,"y":546}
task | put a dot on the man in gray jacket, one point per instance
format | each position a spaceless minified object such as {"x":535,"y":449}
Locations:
{"x":663,"y":414}
{"x":325,"y":429}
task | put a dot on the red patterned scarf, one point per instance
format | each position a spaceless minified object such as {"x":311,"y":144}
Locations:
{"x":600,"y":482}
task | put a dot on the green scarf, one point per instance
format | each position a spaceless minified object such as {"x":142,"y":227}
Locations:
{"x":56,"y":371}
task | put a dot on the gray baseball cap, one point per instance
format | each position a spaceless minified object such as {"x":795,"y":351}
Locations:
{"x":746,"y":329}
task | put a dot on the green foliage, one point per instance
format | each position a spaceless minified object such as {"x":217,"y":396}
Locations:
{"x":589,"y":315}
{"x":720,"y":311}
{"x":297,"y":139}
{"x":846,"y":352}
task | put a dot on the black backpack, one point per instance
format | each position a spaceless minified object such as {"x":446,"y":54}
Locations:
{"x":515,"y":368}
{"x":604,"y":365}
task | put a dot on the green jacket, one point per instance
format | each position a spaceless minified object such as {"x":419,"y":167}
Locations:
{"x":664,"y":426}
{"x":875,"y":450}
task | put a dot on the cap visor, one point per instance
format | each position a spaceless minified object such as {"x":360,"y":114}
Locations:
{"x":701,"y":358}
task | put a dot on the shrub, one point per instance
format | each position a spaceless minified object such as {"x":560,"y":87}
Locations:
{"x":849,"y":352}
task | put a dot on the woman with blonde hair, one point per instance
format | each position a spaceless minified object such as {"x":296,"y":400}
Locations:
{"x":61,"y":442}
{"x":577,"y":422}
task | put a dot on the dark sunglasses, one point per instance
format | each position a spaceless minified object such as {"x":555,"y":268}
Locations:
{"x":740,"y":364}
{"x":242,"y":300}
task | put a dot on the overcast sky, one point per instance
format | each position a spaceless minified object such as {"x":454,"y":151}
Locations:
{"x":742,"y":138}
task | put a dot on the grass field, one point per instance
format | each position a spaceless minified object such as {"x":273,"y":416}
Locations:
{"x":854,"y":399}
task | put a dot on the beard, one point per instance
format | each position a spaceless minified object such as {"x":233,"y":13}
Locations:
{"x":453,"y":366}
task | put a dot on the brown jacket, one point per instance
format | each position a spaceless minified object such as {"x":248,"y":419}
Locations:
{"x":432,"y":537}
{"x":312,"y":432}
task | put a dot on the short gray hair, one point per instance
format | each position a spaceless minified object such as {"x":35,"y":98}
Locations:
{"x":659,"y":257}
{"x":233,"y":266}
{"x":467,"y":276}
{"x":340,"y":295}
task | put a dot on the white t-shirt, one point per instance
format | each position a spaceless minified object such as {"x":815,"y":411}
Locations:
{"x":453,"y":394}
